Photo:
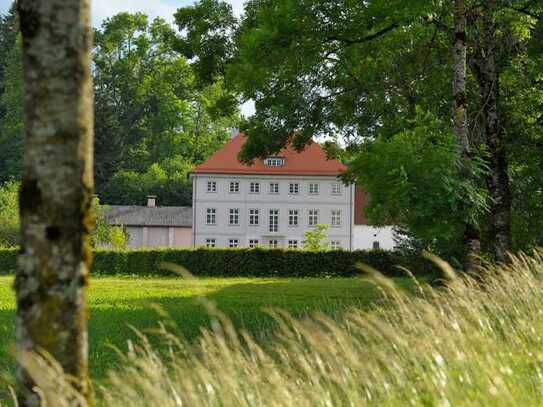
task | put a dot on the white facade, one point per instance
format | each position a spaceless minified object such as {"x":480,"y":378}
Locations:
{"x":366,"y":237}
{"x":270,"y":210}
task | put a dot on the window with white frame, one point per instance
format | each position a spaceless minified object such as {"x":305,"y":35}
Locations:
{"x":274,"y":161}
{"x":234,"y":217}
{"x":293,"y":188}
{"x":253,"y":243}
{"x":254,"y":217}
{"x":274,"y":188}
{"x":211,"y":186}
{"x":273,"y":225}
{"x":313,"y":188}
{"x":293,"y":217}
{"x":376,"y":245}
{"x":233,"y":243}
{"x":211,"y":216}
{"x":254,"y":187}
{"x":336,"y":188}
{"x":335,"y":245}
{"x":335,"y":218}
{"x":234,"y":187}
{"x":273,"y":243}
{"x":293,"y":244}
{"x":313,"y":217}
{"x":211,"y":243}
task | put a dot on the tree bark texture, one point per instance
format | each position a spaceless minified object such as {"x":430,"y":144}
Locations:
{"x":498,"y":180}
{"x":57,"y":188}
{"x":472,"y":239}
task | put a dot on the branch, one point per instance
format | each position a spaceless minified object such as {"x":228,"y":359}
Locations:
{"x":367,"y":38}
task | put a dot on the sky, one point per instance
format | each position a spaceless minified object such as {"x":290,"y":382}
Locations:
{"x":153,"y":8}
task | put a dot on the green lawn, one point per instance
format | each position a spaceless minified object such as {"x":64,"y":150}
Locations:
{"x":118,"y":303}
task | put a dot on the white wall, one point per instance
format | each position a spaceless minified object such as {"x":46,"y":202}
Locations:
{"x":364,"y":236}
{"x":223,"y":200}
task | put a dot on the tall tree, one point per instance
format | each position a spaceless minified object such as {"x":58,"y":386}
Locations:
{"x":57,"y":188}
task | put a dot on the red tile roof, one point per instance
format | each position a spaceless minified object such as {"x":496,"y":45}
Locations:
{"x":310,"y":161}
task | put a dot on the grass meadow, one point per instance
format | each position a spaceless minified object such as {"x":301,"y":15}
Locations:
{"x":121,"y":305}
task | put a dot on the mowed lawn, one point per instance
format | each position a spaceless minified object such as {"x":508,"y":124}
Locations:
{"x":119,"y":304}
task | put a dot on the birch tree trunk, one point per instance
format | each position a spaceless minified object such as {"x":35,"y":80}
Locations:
{"x":498,"y":181}
{"x":56,"y":189}
{"x":472,"y":239}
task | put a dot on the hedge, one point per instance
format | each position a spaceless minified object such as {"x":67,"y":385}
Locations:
{"x":243,"y":262}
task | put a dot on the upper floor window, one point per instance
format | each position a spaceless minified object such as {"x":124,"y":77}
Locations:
{"x":274,"y":188}
{"x":211,"y":243}
{"x":335,"y":245}
{"x":336,"y":188}
{"x":274,"y":162}
{"x":234,"y":217}
{"x":254,"y":187}
{"x":313,"y":217}
{"x":211,"y":186}
{"x":293,"y":217}
{"x":336,"y":218}
{"x":254,"y":217}
{"x":234,"y":187}
{"x":293,"y":188}
{"x":314,"y":188}
{"x":274,"y":220}
{"x":233,"y":243}
{"x":211,"y":216}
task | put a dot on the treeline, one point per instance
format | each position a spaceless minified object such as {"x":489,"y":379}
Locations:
{"x":154,"y":119}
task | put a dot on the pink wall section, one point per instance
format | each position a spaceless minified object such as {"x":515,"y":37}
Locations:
{"x":182,"y":237}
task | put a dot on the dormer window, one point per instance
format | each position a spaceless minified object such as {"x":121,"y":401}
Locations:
{"x":274,"y":162}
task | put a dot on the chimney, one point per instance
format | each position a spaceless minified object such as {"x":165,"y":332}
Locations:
{"x":151,"y":201}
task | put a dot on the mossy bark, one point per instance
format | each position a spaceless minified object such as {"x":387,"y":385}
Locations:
{"x":56,"y":189}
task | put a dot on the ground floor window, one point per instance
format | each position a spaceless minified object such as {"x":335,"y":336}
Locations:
{"x":293,"y":244}
{"x":211,"y":243}
{"x":233,"y":243}
{"x":335,"y":245}
{"x":273,"y":244}
{"x":376,"y":245}
{"x":253,"y":243}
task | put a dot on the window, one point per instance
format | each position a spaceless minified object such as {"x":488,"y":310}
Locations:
{"x":293,"y":189}
{"x":254,"y":217}
{"x":335,"y":245}
{"x":253,"y":243}
{"x":293,"y":217}
{"x":313,"y":188}
{"x":274,"y":162}
{"x":336,"y":188}
{"x":211,"y":243}
{"x":274,"y":188}
{"x":233,"y":243}
{"x":254,"y":188}
{"x":292,"y":244}
{"x":376,"y":245}
{"x":336,"y":218}
{"x":211,"y":186}
{"x":211,"y":217}
{"x":234,"y":187}
{"x":274,"y":220}
{"x":234,"y":217}
{"x":313,"y":217}
{"x":273,"y":243}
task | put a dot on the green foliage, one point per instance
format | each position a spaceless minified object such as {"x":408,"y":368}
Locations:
{"x":118,"y":239}
{"x":413,"y":180}
{"x":153,"y":119}
{"x":9,"y":214}
{"x":315,"y":240}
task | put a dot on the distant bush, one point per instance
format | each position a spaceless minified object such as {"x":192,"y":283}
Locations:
{"x":244,"y":262}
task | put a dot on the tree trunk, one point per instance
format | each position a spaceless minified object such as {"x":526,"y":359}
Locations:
{"x":498,"y":180}
{"x":56,"y":189}
{"x":472,"y":239}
